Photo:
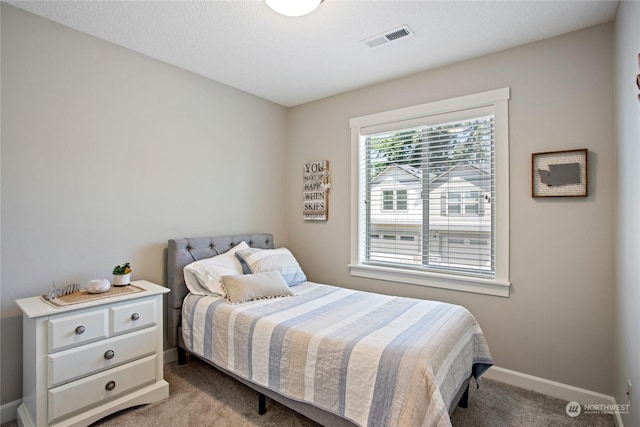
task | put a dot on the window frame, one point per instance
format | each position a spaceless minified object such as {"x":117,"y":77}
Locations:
{"x":499,"y":285}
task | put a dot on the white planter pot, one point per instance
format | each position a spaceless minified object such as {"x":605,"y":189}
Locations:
{"x":121,"y":279}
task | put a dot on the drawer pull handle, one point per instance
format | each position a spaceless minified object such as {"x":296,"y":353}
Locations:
{"x":135,"y":316}
{"x":110,"y":385}
{"x":109,"y":354}
{"x":80,"y":330}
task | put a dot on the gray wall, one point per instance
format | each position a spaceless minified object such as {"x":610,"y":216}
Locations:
{"x":627,"y":296}
{"x":106,"y":154}
{"x":558,"y":322}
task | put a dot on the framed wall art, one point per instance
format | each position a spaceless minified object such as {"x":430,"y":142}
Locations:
{"x":316,"y":186}
{"x":560,"y":174}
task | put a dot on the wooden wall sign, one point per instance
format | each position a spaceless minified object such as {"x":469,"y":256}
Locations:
{"x":316,"y":191}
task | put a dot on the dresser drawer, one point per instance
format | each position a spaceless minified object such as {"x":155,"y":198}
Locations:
{"x":75,"y":363}
{"x":127,"y":317}
{"x":76,"y":329}
{"x":99,"y":388}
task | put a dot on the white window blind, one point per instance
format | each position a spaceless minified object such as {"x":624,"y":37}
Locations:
{"x":449,"y":162}
{"x":428,"y":194}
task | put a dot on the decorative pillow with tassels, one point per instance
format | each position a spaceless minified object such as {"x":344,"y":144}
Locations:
{"x":248,"y":287}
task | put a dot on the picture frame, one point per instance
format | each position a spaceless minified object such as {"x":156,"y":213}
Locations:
{"x":560,"y":173}
{"x":316,"y":185}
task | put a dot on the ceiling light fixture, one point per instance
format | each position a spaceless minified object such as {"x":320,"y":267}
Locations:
{"x":293,"y":7}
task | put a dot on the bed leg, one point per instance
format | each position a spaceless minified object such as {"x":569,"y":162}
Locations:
{"x":464,"y":400}
{"x":262,"y":404}
{"x":182,"y":356}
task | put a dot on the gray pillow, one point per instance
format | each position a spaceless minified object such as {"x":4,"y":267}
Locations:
{"x":281,"y":259}
{"x":248,"y":287}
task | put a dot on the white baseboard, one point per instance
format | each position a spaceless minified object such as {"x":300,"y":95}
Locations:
{"x":9,"y":411}
{"x":170,"y":355}
{"x":551,"y":388}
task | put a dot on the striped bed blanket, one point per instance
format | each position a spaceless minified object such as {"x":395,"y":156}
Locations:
{"x":373,"y":359}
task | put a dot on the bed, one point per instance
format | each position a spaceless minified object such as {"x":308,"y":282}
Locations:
{"x":338,"y":356}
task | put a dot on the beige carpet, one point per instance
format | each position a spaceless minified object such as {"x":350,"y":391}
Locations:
{"x":202,"y":396}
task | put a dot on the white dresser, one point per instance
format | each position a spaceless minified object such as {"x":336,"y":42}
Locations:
{"x":84,"y":361}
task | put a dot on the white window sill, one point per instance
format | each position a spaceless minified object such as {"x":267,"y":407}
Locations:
{"x":434,"y":280}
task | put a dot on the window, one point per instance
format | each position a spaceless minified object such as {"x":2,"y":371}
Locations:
{"x":451,"y":159}
{"x":387,"y":200}
{"x":461,"y":203}
{"x":401,"y":200}
{"x":471,"y":201}
{"x":394,"y":200}
{"x":454,"y":203}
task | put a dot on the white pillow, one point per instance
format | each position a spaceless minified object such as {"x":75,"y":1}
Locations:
{"x":281,"y":259}
{"x":249,"y":287}
{"x":204,"y":277}
{"x":192,"y":282}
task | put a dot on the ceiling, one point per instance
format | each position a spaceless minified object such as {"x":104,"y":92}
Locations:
{"x":291,"y":61}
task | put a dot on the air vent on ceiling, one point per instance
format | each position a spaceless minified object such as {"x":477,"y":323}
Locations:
{"x":389,"y":36}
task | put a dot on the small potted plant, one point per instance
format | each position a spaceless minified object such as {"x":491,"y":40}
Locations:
{"x":122,"y":274}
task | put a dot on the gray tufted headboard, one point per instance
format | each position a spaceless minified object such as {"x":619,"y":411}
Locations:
{"x":184,"y":251}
